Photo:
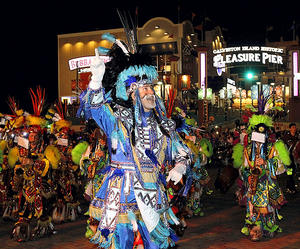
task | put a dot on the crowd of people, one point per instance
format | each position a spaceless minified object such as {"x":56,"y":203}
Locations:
{"x":140,"y":164}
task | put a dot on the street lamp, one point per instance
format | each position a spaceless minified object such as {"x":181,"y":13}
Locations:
{"x":273,"y":93}
{"x":283,"y":93}
{"x":258,"y":88}
{"x":240,"y":89}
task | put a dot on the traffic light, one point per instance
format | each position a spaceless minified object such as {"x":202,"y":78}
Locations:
{"x":250,"y":75}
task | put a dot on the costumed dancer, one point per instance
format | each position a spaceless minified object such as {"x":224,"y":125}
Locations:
{"x":92,"y":157}
{"x":203,"y":151}
{"x":259,"y":163}
{"x":67,"y":175}
{"x":13,"y":182}
{"x":33,"y":167}
{"x":132,"y":199}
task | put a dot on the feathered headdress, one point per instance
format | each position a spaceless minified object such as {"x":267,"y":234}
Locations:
{"x":16,"y":119}
{"x":128,"y":64}
{"x":60,"y":121}
{"x":38,"y":100}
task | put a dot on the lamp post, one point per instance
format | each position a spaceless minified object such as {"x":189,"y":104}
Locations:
{"x":240,"y":89}
{"x":283,"y":93}
{"x":273,"y":93}
{"x":258,"y":88}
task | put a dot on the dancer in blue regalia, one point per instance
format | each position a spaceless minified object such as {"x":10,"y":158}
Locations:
{"x":141,"y":141}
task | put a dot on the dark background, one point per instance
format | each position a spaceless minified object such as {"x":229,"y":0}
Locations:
{"x":29,"y":32}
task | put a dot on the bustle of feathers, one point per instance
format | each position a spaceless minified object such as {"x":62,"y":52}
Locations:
{"x":62,"y":124}
{"x":13,"y":156}
{"x":32,"y":120}
{"x":78,"y":151}
{"x":237,"y":155}
{"x":53,"y":155}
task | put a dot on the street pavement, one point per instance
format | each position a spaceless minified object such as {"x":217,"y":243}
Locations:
{"x":218,"y":228}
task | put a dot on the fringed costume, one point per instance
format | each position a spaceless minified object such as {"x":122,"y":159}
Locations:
{"x":259,"y":163}
{"x":140,"y":140}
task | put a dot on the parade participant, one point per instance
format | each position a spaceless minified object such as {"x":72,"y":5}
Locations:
{"x":121,"y":99}
{"x":5,"y":176}
{"x":13,"y":126}
{"x":260,"y":162}
{"x":32,"y":168}
{"x":91,"y":156}
{"x":202,"y":151}
{"x":67,"y":175}
{"x":291,"y":138}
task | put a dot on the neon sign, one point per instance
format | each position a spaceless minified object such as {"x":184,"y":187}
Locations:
{"x":256,"y":54}
{"x":83,"y":62}
{"x":295,"y":73}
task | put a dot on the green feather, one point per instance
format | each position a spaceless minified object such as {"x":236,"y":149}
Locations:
{"x":258,"y":119}
{"x":237,"y":155}
{"x":78,"y":150}
{"x":283,"y":152}
{"x":206,"y":147}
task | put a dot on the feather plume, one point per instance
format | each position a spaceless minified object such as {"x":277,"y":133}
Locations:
{"x":78,"y":151}
{"x":258,"y":119}
{"x":13,"y":156}
{"x":237,"y":155}
{"x":37,"y":100}
{"x":130,"y":29}
{"x":53,"y":155}
{"x":109,"y":37}
{"x":283,"y":152}
{"x":35,"y":120}
{"x":152,"y":157}
{"x":206,"y":147}
{"x":3,"y":145}
{"x":13,"y":106}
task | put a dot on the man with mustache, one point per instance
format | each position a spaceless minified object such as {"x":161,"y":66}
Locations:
{"x":142,"y":144}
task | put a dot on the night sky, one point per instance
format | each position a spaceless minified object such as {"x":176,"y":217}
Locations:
{"x":29,"y":32}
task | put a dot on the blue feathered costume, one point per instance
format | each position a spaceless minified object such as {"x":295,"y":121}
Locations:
{"x":132,"y":196}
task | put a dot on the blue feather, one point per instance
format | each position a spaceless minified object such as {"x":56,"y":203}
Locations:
{"x":105,"y":232}
{"x":162,"y":179}
{"x":152,"y":157}
{"x":117,"y":173}
{"x":103,"y":50}
{"x":109,"y":37}
{"x":173,"y":236}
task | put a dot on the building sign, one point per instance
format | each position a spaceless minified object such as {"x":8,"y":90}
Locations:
{"x":82,"y":62}
{"x":255,"y":54}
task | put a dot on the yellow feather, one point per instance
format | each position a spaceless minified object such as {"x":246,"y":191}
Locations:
{"x":53,"y":155}
{"x":13,"y":156}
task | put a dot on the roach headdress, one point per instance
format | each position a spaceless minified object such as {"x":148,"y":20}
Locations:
{"x":127,"y":65}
